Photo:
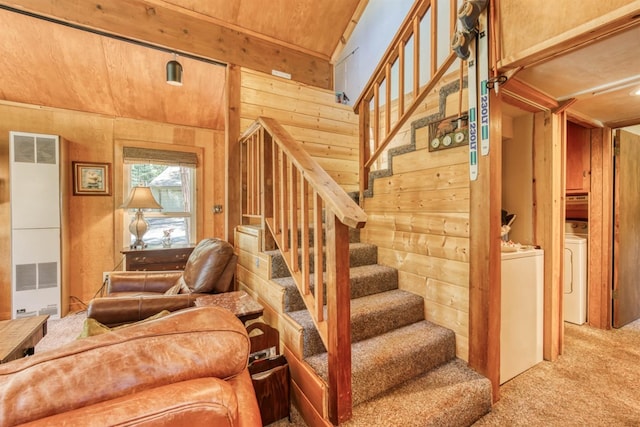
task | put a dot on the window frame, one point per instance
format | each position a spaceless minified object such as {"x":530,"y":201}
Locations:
{"x":120,"y":238}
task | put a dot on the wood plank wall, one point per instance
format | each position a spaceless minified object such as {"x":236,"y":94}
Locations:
{"x":419,"y":218}
{"x":326,"y":129}
{"x":94,"y":222}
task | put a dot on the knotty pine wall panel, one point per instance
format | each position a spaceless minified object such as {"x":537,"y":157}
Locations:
{"x":419,"y":219}
{"x":326,"y":129}
{"x":94,"y":222}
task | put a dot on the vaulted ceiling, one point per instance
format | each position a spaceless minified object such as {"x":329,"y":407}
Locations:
{"x":80,"y":55}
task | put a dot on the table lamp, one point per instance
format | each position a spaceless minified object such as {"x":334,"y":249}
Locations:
{"x":140,"y":198}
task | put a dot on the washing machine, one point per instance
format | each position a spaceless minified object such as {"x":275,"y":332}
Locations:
{"x":575,"y":271}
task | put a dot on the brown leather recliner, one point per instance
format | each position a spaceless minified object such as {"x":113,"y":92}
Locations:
{"x":186,"y":369}
{"x":136,"y":295}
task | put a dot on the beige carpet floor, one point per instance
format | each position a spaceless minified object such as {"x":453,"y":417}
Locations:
{"x":595,"y":382}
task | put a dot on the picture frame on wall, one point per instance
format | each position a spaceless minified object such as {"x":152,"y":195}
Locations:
{"x":91,"y":179}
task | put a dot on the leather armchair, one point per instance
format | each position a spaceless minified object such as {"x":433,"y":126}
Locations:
{"x":136,"y":295}
{"x":187,"y":368}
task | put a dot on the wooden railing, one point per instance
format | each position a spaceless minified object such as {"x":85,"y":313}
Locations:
{"x":287,"y":191}
{"x":380,"y":118}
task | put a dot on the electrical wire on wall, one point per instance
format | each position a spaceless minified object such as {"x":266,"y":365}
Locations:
{"x":341,"y":97}
{"x":100,"y":291}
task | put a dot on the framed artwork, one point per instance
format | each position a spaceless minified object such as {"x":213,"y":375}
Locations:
{"x":91,"y":179}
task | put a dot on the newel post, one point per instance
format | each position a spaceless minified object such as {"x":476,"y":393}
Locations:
{"x":339,"y":319}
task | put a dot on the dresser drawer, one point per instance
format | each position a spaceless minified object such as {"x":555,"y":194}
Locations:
{"x":157,"y":259}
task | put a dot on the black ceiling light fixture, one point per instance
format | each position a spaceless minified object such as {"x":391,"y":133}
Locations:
{"x":174,"y":72}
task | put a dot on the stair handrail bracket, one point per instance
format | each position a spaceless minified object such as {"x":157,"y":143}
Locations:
{"x":290,"y":194}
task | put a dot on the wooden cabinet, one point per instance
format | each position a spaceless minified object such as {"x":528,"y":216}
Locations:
{"x":578,"y":159}
{"x":157,"y":259}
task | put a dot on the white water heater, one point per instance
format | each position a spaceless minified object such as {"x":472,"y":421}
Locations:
{"x":35,"y":224}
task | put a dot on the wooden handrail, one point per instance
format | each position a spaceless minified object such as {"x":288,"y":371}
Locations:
{"x":378,"y":130}
{"x":290,"y":194}
{"x":347,"y":211}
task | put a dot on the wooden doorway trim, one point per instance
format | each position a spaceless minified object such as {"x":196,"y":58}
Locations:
{"x":549,"y":157}
{"x":600,"y":226}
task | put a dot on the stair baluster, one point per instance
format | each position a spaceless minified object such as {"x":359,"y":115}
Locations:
{"x":286,"y":177}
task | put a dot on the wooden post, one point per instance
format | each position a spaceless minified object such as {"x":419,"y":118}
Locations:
{"x":485,"y":257}
{"x":600,"y":226}
{"x":365,"y":146}
{"x":549,"y":174}
{"x":339,"y":314}
{"x":233,"y":209}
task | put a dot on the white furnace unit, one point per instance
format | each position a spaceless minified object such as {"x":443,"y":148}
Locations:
{"x":35,"y":224}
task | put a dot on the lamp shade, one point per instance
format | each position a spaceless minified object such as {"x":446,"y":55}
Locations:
{"x":141,"y":198}
{"x":174,"y":73}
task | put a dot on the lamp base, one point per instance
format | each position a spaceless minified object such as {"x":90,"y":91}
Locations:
{"x":138,"y":228}
{"x":138,"y":244}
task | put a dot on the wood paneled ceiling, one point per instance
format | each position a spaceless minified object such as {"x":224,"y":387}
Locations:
{"x":601,"y":76}
{"x":50,"y":64}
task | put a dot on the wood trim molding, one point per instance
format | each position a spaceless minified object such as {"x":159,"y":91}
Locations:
{"x":579,"y":36}
{"x":184,"y":31}
{"x":521,"y":92}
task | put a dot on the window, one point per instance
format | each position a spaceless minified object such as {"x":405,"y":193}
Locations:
{"x":171,"y":175}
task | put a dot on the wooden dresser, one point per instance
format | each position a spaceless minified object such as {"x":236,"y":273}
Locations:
{"x":157,"y":258}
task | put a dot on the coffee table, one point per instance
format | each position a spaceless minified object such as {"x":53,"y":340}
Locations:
{"x":238,"y":302}
{"x":19,"y":337}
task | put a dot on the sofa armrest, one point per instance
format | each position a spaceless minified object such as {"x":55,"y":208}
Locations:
{"x":203,"y":401}
{"x":114,"y":311}
{"x":142,"y":281}
{"x":189,"y":344}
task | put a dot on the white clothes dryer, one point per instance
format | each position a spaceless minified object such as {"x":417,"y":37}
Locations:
{"x":575,"y":271}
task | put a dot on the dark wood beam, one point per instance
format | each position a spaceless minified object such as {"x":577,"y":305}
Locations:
{"x":184,"y":31}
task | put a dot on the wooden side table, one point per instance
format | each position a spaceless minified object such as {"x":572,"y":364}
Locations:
{"x":19,"y":337}
{"x":157,"y":258}
{"x":238,"y":302}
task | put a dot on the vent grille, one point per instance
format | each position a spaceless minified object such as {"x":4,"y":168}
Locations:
{"x":30,"y":277}
{"x":26,"y":277}
{"x":47,"y":275}
{"x":46,"y":150}
{"x":24,"y":149}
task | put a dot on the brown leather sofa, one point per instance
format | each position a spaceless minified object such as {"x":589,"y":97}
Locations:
{"x":135,"y":295}
{"x":188,"y":368}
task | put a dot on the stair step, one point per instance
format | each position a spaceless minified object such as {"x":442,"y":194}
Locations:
{"x":450,"y":395}
{"x":365,"y":280}
{"x":371,"y":315}
{"x":386,"y":361}
{"x":359,"y":254}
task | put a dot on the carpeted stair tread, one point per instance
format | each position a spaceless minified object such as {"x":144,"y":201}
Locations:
{"x":450,"y":395}
{"x":385,"y":361}
{"x":379,"y":313}
{"x":365,"y":280}
{"x":359,"y":254}
{"x":371,"y":315}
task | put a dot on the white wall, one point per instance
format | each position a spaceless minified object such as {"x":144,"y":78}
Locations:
{"x":517,"y":179}
{"x":368,"y":42}
{"x":371,"y":37}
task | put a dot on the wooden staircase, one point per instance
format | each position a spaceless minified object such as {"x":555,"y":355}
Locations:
{"x":393,"y":347}
{"x":351,"y":337}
